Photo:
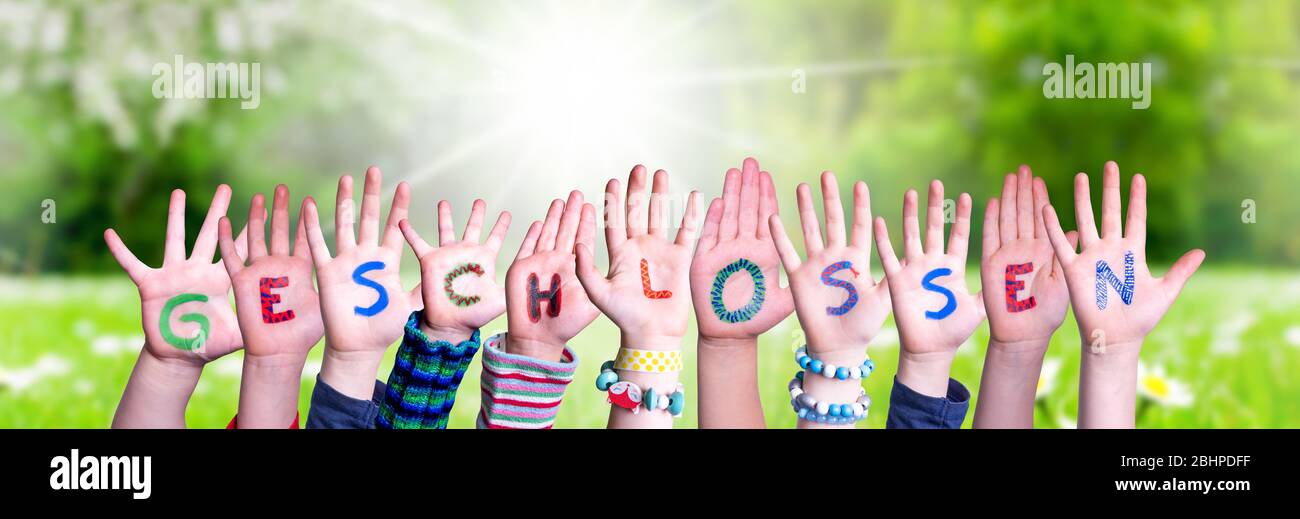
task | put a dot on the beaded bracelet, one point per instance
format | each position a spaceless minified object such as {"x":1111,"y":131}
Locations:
{"x":625,"y":394}
{"x":810,"y":409}
{"x":805,"y":361}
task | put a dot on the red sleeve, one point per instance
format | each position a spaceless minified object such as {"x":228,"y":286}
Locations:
{"x":234,"y":422}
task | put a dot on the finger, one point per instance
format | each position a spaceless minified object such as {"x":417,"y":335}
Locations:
{"x":1040,"y":201}
{"x":1110,"y":205}
{"x":320,"y":253}
{"x":1064,"y":252}
{"x":767,"y":205}
{"x":812,"y":233}
{"x":789,"y":255}
{"x":370,"y":207}
{"x":474,"y":228}
{"x":960,"y":235}
{"x":344,"y":217}
{"x":728,"y":228}
{"x":1136,"y":228}
{"x":280,"y":221}
{"x":417,"y":243}
{"x":174,"y":246}
{"x":300,"y":247}
{"x":1083,"y":211}
{"x":135,"y":269}
{"x":991,"y":238}
{"x":833,"y":210}
{"x":884,"y":249}
{"x":1182,"y":270}
{"x":1007,"y":223}
{"x":596,"y":285}
{"x":712,"y":222}
{"x":934,"y":219}
{"x":416,"y":296}
{"x":861,"y":216}
{"x":1058,"y":271}
{"x":749,"y":196}
{"x":1025,"y":202}
{"x":911,"y":227}
{"x":690,"y":221}
{"x":446,"y":228}
{"x":586,"y":228}
{"x":401,"y":208}
{"x":228,"y":257}
{"x":615,"y":230}
{"x":241,"y":243}
{"x":658,"y":192}
{"x":980,"y":310}
{"x":257,"y":227}
{"x":571,"y":220}
{"x":635,"y":218}
{"x":498,"y":234}
{"x":206,"y":243}
{"x":530,"y":241}
{"x":550,"y":226}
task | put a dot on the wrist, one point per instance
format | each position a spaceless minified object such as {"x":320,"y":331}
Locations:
{"x":727,"y":343}
{"x":351,"y":373}
{"x":1102,"y":356}
{"x":654,"y":342}
{"x":454,"y":334}
{"x":268,"y":390}
{"x":1017,"y":354}
{"x":925,"y":373}
{"x":168,"y":374}
{"x":534,"y":348}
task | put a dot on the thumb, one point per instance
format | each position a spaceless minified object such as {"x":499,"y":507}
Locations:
{"x":1182,"y":271}
{"x":416,"y":297}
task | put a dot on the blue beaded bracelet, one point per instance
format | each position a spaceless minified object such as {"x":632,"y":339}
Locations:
{"x":630,"y":396}
{"x":810,"y":409}
{"x":818,"y":367}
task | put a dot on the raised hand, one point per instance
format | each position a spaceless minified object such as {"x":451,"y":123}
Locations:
{"x":186,"y":315}
{"x":1025,"y":297}
{"x":934,"y":310}
{"x":458,"y":278}
{"x":735,"y":284}
{"x":545,"y":303}
{"x":647,"y":290}
{"x":185,"y":303}
{"x":840,"y":306}
{"x":362,"y":300}
{"x":1116,"y":299}
{"x":278,"y":309}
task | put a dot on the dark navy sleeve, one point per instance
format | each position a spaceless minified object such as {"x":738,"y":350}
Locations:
{"x":331,"y":409}
{"x":911,"y":410}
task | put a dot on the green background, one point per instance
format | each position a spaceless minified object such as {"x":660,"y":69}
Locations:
{"x":897,"y":93}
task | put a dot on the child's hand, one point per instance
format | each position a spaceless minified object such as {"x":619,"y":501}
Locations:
{"x":735,"y":284}
{"x":459,"y":280}
{"x":839,"y":305}
{"x":1018,"y":253}
{"x":364,"y":306}
{"x":185,"y":303}
{"x":545,"y":303}
{"x":646,"y":293}
{"x":934,"y":310}
{"x":1116,"y":299}
{"x":279,"y":311}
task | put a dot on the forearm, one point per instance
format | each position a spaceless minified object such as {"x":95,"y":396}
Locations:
{"x":157,"y":393}
{"x":1108,"y":386}
{"x":925,"y":373}
{"x":268,"y":390}
{"x":1009,"y":384}
{"x":351,"y":373}
{"x":833,"y":390}
{"x":662,"y":383}
{"x":728,"y":384}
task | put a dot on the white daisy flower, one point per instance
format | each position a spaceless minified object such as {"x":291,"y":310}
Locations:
{"x":1047,"y":377}
{"x":1156,"y":385}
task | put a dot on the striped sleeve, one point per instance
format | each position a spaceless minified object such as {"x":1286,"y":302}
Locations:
{"x":521,"y":392}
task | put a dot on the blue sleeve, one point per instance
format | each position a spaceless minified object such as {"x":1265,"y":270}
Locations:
{"x":331,"y":409}
{"x":911,"y":410}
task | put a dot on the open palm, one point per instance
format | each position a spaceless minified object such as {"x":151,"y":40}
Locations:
{"x":934,"y":310}
{"x":185,"y":304}
{"x":535,"y":312}
{"x":840,"y":306}
{"x":1018,"y":251}
{"x":733,"y":254}
{"x":646,"y":292}
{"x":364,"y":306}
{"x":458,"y":277}
{"x":291,"y":324}
{"x":1109,"y":316}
